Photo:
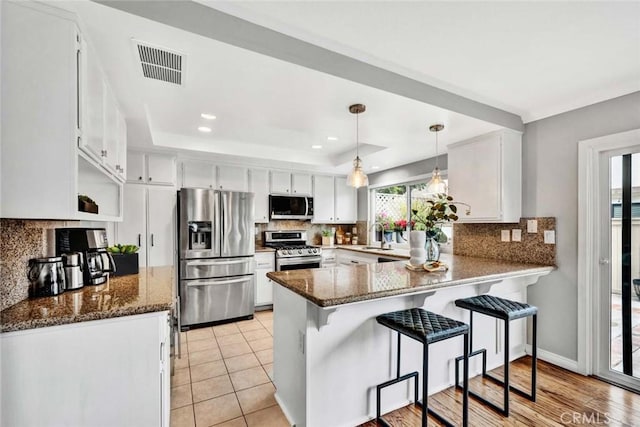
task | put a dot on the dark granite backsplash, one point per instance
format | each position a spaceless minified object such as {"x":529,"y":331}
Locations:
{"x":313,"y":230}
{"x":484,"y":240}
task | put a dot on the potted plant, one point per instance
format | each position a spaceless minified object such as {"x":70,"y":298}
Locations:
{"x":429,"y":218}
{"x":125,"y":258}
{"x":400,"y":228}
{"x":327,"y":239}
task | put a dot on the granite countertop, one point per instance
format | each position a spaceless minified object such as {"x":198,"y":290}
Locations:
{"x":264,"y":249}
{"x":327,"y":287}
{"x":150,"y":290}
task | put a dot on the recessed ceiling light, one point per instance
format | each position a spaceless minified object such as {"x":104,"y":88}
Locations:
{"x":332,"y":138}
{"x":208,"y":116}
{"x":375,"y":167}
{"x":204,"y":129}
{"x":316,"y":147}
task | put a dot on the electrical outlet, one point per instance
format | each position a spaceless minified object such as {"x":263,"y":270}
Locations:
{"x":550,"y":237}
{"x":532,"y":226}
{"x":505,"y":236}
{"x":516,"y":235}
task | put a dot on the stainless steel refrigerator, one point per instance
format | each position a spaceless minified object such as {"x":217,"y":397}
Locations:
{"x":216,"y":257}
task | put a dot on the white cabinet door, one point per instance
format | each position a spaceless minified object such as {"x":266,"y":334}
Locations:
{"x":198,"y":174}
{"x":301,"y":184}
{"x":280,"y":182}
{"x":122,"y":147}
{"x":259,"y":185}
{"x":110,"y":153}
{"x":347,"y":257}
{"x":329,"y":258}
{"x":346,"y":206}
{"x":161,"y":208}
{"x":492,"y":186}
{"x":161,"y":169}
{"x":323,"y":199}
{"x":121,"y":361}
{"x":92,"y":142}
{"x":265,"y":263}
{"x":133,"y":228}
{"x":136,"y":167}
{"x":233,"y":178}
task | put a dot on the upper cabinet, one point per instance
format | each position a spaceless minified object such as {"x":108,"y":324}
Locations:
{"x":333,"y":201}
{"x":259,"y":185}
{"x":486,"y":173}
{"x":233,"y":178}
{"x":290,"y":183}
{"x":153,"y":169}
{"x":49,"y":76}
{"x":198,"y":174}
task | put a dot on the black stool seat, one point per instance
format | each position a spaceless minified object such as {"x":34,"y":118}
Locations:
{"x":507,"y":311}
{"x":427,"y":328}
{"x":497,"y":307}
{"x":422,"y":325}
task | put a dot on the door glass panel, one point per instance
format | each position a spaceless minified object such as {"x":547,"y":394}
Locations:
{"x":624,"y":289}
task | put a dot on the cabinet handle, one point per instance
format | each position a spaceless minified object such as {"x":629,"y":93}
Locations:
{"x":139,"y":240}
{"x":152,"y":243}
{"x":337,"y":219}
{"x":139,"y":178}
{"x":103,"y":153}
{"x":149,"y":179}
{"x":331,"y":218}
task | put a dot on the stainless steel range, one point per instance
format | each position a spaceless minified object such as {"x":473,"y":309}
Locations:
{"x":292,"y":251}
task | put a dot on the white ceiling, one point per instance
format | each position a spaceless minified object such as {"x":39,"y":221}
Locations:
{"x":531,"y":60}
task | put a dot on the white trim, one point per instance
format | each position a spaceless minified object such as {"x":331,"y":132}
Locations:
{"x":556,"y":359}
{"x":588,"y":240}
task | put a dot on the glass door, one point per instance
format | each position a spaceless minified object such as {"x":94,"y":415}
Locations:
{"x":619,"y":314}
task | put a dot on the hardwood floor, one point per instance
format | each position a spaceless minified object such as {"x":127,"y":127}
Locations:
{"x":563,"y":399}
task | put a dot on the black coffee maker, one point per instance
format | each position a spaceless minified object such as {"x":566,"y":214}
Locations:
{"x":92,"y":242}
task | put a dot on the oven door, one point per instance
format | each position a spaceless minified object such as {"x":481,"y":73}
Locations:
{"x":298,"y":263}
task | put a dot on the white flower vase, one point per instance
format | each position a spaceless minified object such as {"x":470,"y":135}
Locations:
{"x":417,"y":240}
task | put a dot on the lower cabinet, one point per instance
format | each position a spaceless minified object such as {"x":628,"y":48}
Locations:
{"x":112,"y":372}
{"x":149,"y":222}
{"x":329,"y":258}
{"x":265,"y":263}
{"x":348,"y":257}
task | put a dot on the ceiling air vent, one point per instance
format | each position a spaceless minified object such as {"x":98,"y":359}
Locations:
{"x":160,"y":64}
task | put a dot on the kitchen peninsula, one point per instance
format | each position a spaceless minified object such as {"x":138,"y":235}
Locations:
{"x":329,"y":352}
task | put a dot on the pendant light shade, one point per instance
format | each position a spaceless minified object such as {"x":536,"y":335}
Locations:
{"x":357,"y":178}
{"x":436,"y":185}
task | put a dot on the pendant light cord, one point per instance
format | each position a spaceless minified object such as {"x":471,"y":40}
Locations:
{"x":357,"y":135}
{"x":437,"y":149}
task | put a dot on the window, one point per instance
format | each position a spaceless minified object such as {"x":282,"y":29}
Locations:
{"x":392,"y":207}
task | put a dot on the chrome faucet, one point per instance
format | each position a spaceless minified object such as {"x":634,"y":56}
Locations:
{"x":381,"y":225}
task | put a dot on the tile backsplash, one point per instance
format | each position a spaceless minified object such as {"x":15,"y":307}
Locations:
{"x":313,"y":230}
{"x":484,"y":241}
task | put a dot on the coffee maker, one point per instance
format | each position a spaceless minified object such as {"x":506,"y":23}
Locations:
{"x":92,"y":243}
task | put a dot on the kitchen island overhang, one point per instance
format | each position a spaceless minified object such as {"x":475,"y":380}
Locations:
{"x":329,"y":352}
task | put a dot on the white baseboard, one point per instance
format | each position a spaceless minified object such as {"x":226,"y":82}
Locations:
{"x":556,"y":359}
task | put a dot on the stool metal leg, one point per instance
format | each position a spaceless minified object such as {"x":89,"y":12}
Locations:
{"x":465,"y":382}
{"x":425,"y":383}
{"x":534,"y":358}
{"x":507,"y":351}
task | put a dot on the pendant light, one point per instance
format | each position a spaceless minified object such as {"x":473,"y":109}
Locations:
{"x":357,"y":178}
{"x":436,"y":185}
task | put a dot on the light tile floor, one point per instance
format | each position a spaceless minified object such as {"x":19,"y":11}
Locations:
{"x":224,"y":377}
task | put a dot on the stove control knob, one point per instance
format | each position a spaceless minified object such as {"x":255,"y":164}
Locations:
{"x":299,"y":251}
{"x":287,"y":252}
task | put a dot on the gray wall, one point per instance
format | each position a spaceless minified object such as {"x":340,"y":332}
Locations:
{"x":550,"y":188}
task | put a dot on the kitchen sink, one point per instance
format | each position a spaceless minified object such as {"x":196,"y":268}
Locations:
{"x":378,"y":248}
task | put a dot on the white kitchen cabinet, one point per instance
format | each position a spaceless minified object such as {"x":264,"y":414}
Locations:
{"x":111,"y":135}
{"x":149,"y":222}
{"x":111,"y":372}
{"x":346,"y":207}
{"x":233,"y":178}
{"x":259,"y":185}
{"x":153,"y":169}
{"x":301,"y":184}
{"x":198,"y":175}
{"x":133,"y":228}
{"x":92,"y":140}
{"x":333,"y":201}
{"x":122,"y":147}
{"x":280,"y":182}
{"x":265,"y":263}
{"x":486,"y":173}
{"x":323,"y":199}
{"x":45,"y":108}
{"x":329,"y":258}
{"x":347,"y":257}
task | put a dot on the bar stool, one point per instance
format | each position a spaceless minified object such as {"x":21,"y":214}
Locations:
{"x":506,"y":310}
{"x":427,"y":328}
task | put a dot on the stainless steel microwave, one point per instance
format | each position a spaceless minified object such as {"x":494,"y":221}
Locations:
{"x":290,"y":207}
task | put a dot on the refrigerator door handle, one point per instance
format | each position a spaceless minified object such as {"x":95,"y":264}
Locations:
{"x":214,"y":282}
{"x":220,"y":262}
